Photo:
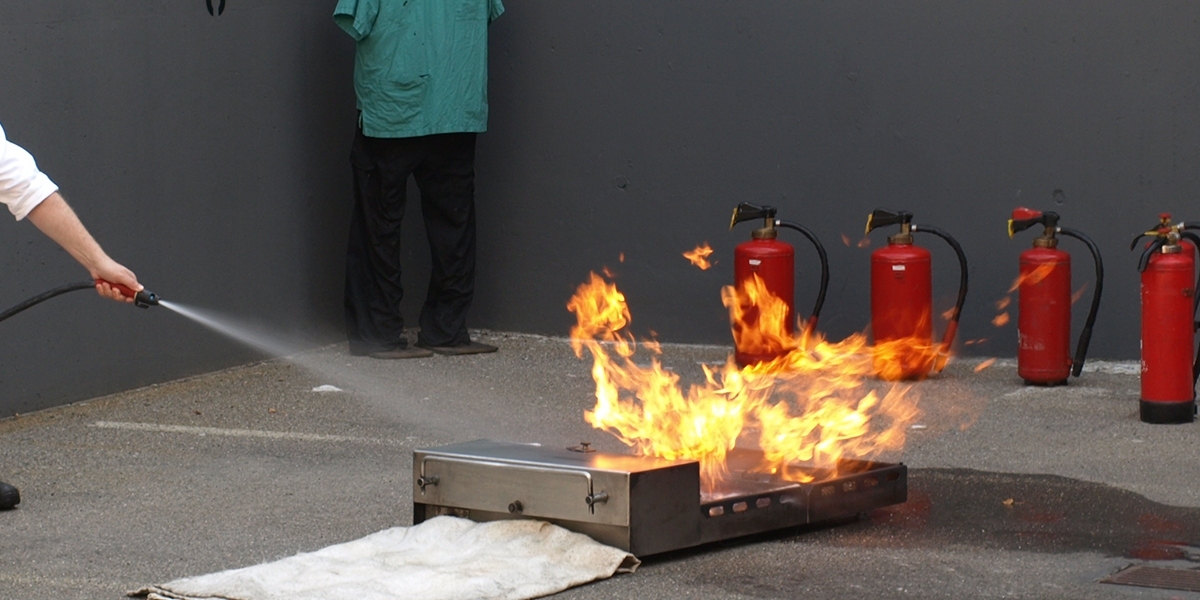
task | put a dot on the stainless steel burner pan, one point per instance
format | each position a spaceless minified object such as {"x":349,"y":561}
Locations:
{"x":640,"y":504}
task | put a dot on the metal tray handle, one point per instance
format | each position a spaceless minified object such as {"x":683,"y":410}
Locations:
{"x":591,"y":499}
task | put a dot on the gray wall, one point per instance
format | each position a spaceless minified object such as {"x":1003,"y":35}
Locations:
{"x":209,"y":155}
{"x":635,"y":127}
{"x":206,"y":153}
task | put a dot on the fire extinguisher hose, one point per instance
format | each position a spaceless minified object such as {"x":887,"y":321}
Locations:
{"x":952,"y":326}
{"x":1151,"y":248}
{"x":811,"y":326}
{"x":1085,"y":336}
{"x":38,"y":299}
{"x":1195,"y":240}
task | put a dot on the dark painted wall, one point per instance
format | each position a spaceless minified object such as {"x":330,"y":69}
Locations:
{"x":209,"y":155}
{"x":635,"y":127}
{"x":206,"y":153}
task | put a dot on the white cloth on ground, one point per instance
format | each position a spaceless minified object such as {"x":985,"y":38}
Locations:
{"x":445,"y":558}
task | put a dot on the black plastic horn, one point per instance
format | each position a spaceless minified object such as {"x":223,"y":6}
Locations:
{"x":882,"y":217}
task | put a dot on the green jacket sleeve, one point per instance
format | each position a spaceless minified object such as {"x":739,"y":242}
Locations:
{"x":357,"y":17}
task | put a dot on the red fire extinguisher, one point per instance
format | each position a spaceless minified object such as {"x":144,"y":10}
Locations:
{"x":902,"y":299}
{"x":1169,"y":302}
{"x":1044,"y":302}
{"x":773,"y":261}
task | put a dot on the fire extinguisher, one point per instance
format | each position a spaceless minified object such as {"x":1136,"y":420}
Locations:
{"x":773,"y":261}
{"x":1044,"y":302}
{"x":902,"y":299}
{"x":1169,"y":362}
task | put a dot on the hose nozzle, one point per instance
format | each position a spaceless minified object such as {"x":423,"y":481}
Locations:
{"x":145,"y":299}
{"x":142,"y":299}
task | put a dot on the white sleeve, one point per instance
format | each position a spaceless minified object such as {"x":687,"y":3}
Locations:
{"x":22,"y":185}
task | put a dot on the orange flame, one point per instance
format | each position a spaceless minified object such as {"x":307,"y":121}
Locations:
{"x":808,"y":407}
{"x":1033,"y":277}
{"x":1078,"y":294}
{"x":758,"y":318}
{"x":699,"y":256}
{"x":1036,"y":276}
{"x":907,"y":358}
{"x":985,"y":364}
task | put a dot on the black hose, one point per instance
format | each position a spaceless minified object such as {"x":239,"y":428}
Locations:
{"x":1137,"y":239}
{"x":816,"y":312}
{"x":1153,"y":247}
{"x":1195,"y":240}
{"x":952,"y":327}
{"x":1085,"y":337}
{"x":58,"y":291}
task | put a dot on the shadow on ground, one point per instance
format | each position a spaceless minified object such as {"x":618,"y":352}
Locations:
{"x":1003,"y":511}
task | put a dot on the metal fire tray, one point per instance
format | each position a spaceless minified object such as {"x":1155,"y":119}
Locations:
{"x":643,"y":505}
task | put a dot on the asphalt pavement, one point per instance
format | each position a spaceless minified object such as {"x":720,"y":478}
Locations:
{"x":1014,"y":491}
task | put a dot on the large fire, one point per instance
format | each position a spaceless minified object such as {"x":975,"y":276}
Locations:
{"x":811,"y":406}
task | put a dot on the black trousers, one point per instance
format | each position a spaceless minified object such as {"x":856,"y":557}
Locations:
{"x":444,"y":169}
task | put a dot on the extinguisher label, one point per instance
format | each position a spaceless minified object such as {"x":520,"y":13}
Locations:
{"x":897,"y":267}
{"x":754,"y":262}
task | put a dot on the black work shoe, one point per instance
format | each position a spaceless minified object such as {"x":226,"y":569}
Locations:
{"x":9,"y":496}
{"x":398,"y":353}
{"x":467,"y":348}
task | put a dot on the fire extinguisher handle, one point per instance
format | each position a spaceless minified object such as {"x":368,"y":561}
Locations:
{"x":1134,"y":243}
{"x":952,"y":326}
{"x":881,"y":217}
{"x":1085,"y":337}
{"x":1024,"y":218}
{"x":746,"y":212}
{"x":816,"y":312}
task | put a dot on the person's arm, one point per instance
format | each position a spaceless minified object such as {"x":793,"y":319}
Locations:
{"x":56,"y":219}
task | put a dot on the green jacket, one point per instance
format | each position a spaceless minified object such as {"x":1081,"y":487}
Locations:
{"x":421,"y":65}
